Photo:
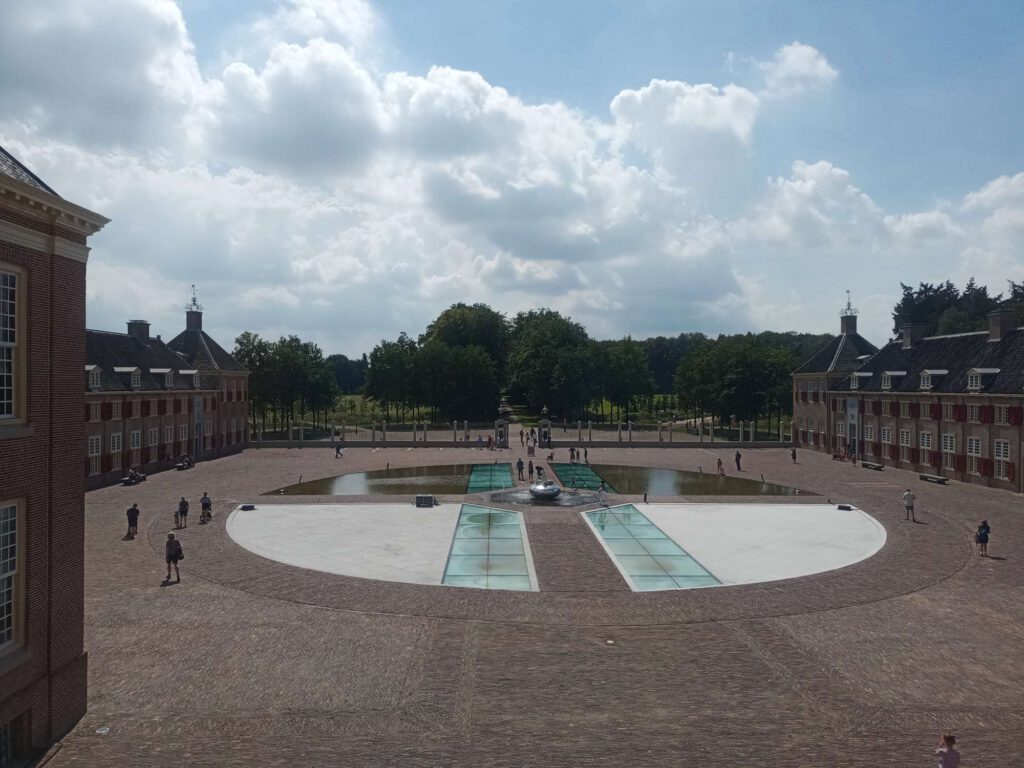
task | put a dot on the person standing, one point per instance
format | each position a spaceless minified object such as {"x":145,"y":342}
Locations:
{"x":519,"y":467}
{"x":133,"y":520}
{"x":981,"y":537}
{"x":721,"y":467}
{"x":908,"y":505}
{"x":206,"y":508}
{"x":738,"y":457}
{"x":173,"y":553}
{"x":183,"y":512}
{"x":530,"y":470}
{"x":792,"y":454}
{"x":947,"y":752}
{"x":522,"y":437}
{"x":585,"y":457}
{"x":600,"y":493}
{"x":337,"y":450}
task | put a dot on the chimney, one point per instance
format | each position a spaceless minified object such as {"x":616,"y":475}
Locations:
{"x":193,"y":320}
{"x":912,"y":333}
{"x":1000,"y":323}
{"x":139,"y":330}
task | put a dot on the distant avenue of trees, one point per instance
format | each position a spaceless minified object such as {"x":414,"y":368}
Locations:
{"x":470,"y":354}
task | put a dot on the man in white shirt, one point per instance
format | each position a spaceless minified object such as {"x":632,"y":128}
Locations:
{"x":908,"y":505}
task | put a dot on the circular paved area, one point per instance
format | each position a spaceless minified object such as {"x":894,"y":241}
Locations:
{"x":252,"y":662}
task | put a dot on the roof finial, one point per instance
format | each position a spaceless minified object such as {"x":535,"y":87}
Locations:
{"x":848,"y":310}
{"x":194,"y":306}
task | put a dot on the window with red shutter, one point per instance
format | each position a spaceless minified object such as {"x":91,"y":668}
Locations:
{"x":1009,"y":471}
{"x":936,"y":410}
{"x":913,"y":454}
{"x":894,"y":451}
{"x":1013,"y":414}
{"x":987,"y":414}
{"x":935,"y":458}
{"x":960,"y":412}
{"x":145,"y":408}
{"x":878,"y":449}
{"x":986,"y":467}
{"x":106,"y":463}
{"x":87,"y":412}
{"x":803,"y":396}
{"x":960,"y":462}
{"x":915,"y":410}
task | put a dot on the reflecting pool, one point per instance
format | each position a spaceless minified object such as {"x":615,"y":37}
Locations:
{"x":403,"y":481}
{"x":667,"y":482}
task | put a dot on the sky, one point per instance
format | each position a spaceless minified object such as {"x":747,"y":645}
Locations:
{"x":345,"y":170}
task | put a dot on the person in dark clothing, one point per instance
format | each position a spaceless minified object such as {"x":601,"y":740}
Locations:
{"x":520,"y":466}
{"x":206,"y":508}
{"x":337,"y":450}
{"x":530,"y":470}
{"x":738,"y":457}
{"x":133,"y":521}
{"x":793,"y":455}
{"x":981,"y":537}
{"x":183,"y":512}
{"x":173,"y":553}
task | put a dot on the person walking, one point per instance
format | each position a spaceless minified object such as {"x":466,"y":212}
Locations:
{"x":792,"y":454}
{"x":738,"y":457}
{"x":600,"y":493}
{"x":947,"y":752}
{"x":585,"y":457}
{"x":133,"y":520}
{"x":337,"y":450}
{"x":206,"y":508}
{"x":519,"y":467}
{"x":173,"y":553}
{"x":981,"y":537}
{"x":183,"y":512}
{"x":530,"y":470}
{"x":721,"y":467}
{"x":522,"y":438}
{"x":908,"y":505}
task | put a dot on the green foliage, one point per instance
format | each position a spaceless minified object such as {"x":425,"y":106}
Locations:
{"x":548,"y":363}
{"x":350,"y":375}
{"x":478,"y":325}
{"x":942,"y":308}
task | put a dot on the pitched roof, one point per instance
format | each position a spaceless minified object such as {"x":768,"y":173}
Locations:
{"x":839,"y":355}
{"x":12,"y":167}
{"x":107,"y":351}
{"x":958,"y":354}
{"x":202,"y":352}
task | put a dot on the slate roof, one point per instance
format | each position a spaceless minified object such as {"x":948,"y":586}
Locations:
{"x":958,"y":354}
{"x":12,"y":167}
{"x":839,"y":355}
{"x":202,"y":352}
{"x":108,"y":350}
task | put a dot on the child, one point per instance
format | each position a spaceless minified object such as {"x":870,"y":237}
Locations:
{"x":948,"y":755}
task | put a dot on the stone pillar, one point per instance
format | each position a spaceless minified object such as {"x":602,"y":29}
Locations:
{"x":343,"y":431}
{"x":465,"y":429}
{"x":700,"y":431}
{"x":659,"y":432}
{"x":670,"y":432}
{"x":424,"y":433}
{"x":373,"y":433}
{"x":711,"y":431}
{"x":590,"y":435}
{"x":455,"y":431}
{"x":618,"y":432}
{"x":383,"y":433}
{"x":629,"y":427}
{"x":302,"y":431}
{"x":579,"y":431}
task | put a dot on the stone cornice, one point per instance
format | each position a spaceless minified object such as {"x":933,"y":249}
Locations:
{"x":63,"y":213}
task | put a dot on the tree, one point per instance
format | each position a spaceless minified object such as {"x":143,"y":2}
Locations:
{"x":544,"y":349}
{"x":943,"y":309}
{"x":462,"y":325}
{"x":350,"y":375}
{"x":252,"y":353}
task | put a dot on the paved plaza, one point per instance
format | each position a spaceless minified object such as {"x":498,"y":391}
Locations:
{"x":253,"y":662}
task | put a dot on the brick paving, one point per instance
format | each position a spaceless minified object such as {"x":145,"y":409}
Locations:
{"x":251,"y":662}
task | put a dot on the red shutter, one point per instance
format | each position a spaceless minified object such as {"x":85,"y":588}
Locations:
{"x":1009,"y":471}
{"x":936,"y":410}
{"x":894,"y":452}
{"x":878,"y":449}
{"x":960,"y":462}
{"x":105,"y":411}
{"x":834,"y":403}
{"x":87,"y":412}
{"x":803,"y":395}
{"x":935,"y":458}
{"x":145,"y":408}
{"x":987,"y":414}
{"x":986,"y":467}
{"x":803,"y":435}
{"x":105,"y":463}
{"x":960,"y":412}
{"x":1013,"y":414}
{"x":913,"y":454}
{"x":817,"y":438}
{"x":814,"y":396}
{"x":915,"y":410}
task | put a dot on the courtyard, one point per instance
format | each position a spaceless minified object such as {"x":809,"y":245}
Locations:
{"x":251,"y":661}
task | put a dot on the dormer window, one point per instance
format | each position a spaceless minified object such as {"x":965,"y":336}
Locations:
{"x":94,"y":378}
{"x":853,"y":382}
{"x":136,"y":379}
{"x":195,"y":381}
{"x":974,"y":381}
{"x":926,"y":381}
{"x":886,"y":381}
{"x":169,"y":379}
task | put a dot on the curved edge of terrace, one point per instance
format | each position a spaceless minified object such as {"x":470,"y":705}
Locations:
{"x":911,"y":559}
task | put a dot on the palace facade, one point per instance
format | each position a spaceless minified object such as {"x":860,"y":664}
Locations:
{"x":43,"y":254}
{"x":148,"y":403}
{"x":951,"y":406}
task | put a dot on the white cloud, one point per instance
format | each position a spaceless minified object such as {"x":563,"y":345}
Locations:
{"x":306,"y":191}
{"x":796,"y":68}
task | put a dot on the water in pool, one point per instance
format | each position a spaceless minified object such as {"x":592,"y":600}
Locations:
{"x":668,"y":482}
{"x":440,"y":479}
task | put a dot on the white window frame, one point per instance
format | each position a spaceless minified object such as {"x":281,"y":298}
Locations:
{"x":974,"y":455}
{"x":926,"y":381}
{"x":1001,"y":414}
{"x":95,"y":413}
{"x":136,"y":379}
{"x":949,"y":450}
{"x":904,"y":445}
{"x":840,"y":429}
{"x":887,"y":435}
{"x":904,"y":409}
{"x":869,"y":433}
{"x":854,"y":382}
{"x":973,"y":381}
{"x":11,"y":584}
{"x":116,"y":442}
{"x":948,"y":412}
{"x":169,"y":379}
{"x":974,"y":413}
{"x":886,"y":382}
{"x":153,"y":437}
{"x":195,"y":380}
{"x":1001,"y":458}
{"x":135,"y":439}
{"x":183,"y":432}
{"x":12,"y":380}
{"x":168,"y":434}
{"x":94,"y":378}
{"x":115,"y":410}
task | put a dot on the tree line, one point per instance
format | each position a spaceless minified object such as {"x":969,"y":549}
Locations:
{"x":470,"y":354}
